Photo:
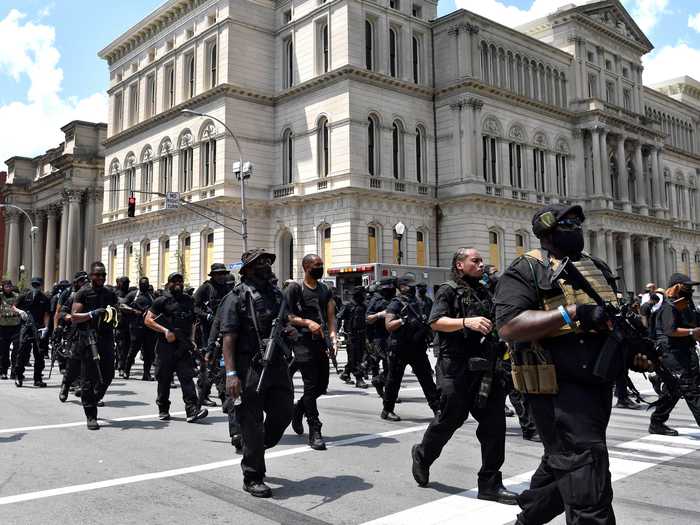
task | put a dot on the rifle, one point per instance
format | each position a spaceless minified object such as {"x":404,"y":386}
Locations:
{"x":92,"y":343}
{"x":627,"y":329}
{"x":269,"y":345}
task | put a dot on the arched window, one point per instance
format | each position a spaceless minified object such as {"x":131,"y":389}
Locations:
{"x":495,"y":248}
{"x":520,"y":245}
{"x":420,"y":249}
{"x":129,"y":178}
{"x":369,"y":45}
{"x":485,"y":64}
{"x":208,"y":154}
{"x":416,"y":62}
{"x":112,"y":264}
{"x":114,"y":183}
{"x":170,"y":79}
{"x":326,"y":247}
{"x":131,"y":267}
{"x":421,"y":171}
{"x":164,"y":259}
{"x":184,"y":253}
{"x":186,"y":163}
{"x":324,"y":158}
{"x":397,"y":150}
{"x":372,"y":244}
{"x":372,"y":142}
{"x":539,"y":170}
{"x":562,"y":178}
{"x":287,"y":157}
{"x":393,"y":52}
{"x":145,"y":260}
{"x":207,"y":251}
{"x":165,"y":168}
{"x":325,"y":56}
{"x":191,"y":76}
{"x":515,"y":158}
{"x":288,"y":63}
{"x":213,"y":59}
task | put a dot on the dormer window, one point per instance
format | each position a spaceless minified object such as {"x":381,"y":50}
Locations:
{"x":417,"y":11}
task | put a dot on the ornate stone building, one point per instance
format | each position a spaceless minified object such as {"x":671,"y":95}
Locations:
{"x":361,"y":114}
{"x":61,"y":191}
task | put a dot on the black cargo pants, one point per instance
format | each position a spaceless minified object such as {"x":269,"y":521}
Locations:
{"x":399,"y":358}
{"x":685,"y":382}
{"x":172,"y":358}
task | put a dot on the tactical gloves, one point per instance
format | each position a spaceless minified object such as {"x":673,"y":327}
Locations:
{"x":592,"y":317}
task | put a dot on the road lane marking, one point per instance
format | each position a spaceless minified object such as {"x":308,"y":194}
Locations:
{"x":465,"y":508}
{"x":85,"y":487}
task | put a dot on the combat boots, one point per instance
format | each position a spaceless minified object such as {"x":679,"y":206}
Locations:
{"x":63,"y":394}
{"x":315,"y":438}
{"x":360,"y":383}
{"x":298,"y":418}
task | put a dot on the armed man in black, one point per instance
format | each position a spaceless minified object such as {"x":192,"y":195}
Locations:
{"x":65,"y":335}
{"x":10,"y":319}
{"x":93,"y":306}
{"x":465,"y":369}
{"x":559,"y":332}
{"x":123,"y":340}
{"x":677,"y":330}
{"x":312,"y":310}
{"x":376,"y":311}
{"x":247,"y":316}
{"x":353,"y":315}
{"x":207,"y":299}
{"x":172,"y":317}
{"x":409,"y":335}
{"x":34,"y":332}
{"x":135,"y":306}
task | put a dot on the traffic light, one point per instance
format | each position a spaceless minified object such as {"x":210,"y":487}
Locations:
{"x":132,"y":206}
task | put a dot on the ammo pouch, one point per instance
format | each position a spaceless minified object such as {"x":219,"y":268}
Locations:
{"x":533,"y":371}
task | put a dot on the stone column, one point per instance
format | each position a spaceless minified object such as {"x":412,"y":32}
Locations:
{"x":89,"y":229}
{"x":475,"y":106}
{"x":63,"y":246}
{"x":597,"y":180}
{"x":73,"y":258}
{"x":600,"y":248}
{"x":38,"y":247}
{"x":628,"y":261}
{"x":686,"y":200}
{"x":13,"y":244}
{"x":605,"y":166}
{"x":579,"y":183}
{"x":661,"y":181}
{"x":463,"y":49}
{"x":97,"y":235}
{"x":658,"y":184}
{"x":610,"y":247}
{"x":457,"y":134}
{"x":504,"y":162}
{"x":474,"y":48}
{"x":673,"y":205}
{"x":50,"y":247}
{"x":467,"y":143}
{"x":660,"y":256}
{"x":644,"y":261}
{"x":640,"y":185}
{"x":622,"y":175}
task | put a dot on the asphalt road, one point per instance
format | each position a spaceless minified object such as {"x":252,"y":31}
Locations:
{"x":137,"y":469}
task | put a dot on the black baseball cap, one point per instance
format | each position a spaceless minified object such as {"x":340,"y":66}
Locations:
{"x":406,"y":280}
{"x":546,"y":218}
{"x":680,"y":278}
{"x":386,"y":283}
{"x":79,"y":276}
{"x":37,"y":281}
{"x":175,"y":275}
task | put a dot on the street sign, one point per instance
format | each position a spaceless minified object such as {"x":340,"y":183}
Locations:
{"x":172,"y":200}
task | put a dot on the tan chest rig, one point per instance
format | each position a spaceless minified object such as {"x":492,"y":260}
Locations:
{"x":533,"y":368}
{"x":8,"y":317}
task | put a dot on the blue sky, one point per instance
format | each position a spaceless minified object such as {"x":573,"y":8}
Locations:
{"x":50,"y":73}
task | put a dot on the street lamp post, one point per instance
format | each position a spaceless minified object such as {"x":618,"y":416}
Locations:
{"x":240,"y":170}
{"x":400,"y":229}
{"x":32,"y":231}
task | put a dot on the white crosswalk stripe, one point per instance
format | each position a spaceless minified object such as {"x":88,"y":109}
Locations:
{"x":465,"y":508}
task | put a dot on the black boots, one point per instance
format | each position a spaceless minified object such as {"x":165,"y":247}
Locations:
{"x":237,"y":442}
{"x":257,"y":489}
{"x":92,"y":424}
{"x":298,"y":418}
{"x":198,"y":414}
{"x":499,"y":494}
{"x":662,"y":429}
{"x":315,"y":438}
{"x":389,"y":416}
{"x":63,"y":394}
{"x":420,"y":472}
{"x":360,"y":382}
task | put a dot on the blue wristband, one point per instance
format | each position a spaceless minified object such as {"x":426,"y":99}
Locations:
{"x":231,"y":373}
{"x":565,"y":315}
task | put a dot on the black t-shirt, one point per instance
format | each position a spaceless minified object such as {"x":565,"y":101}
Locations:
{"x":92,"y":298}
{"x":462,"y":343}
{"x":309,"y":303}
{"x":668,"y":319}
{"x":354,"y":318}
{"x":574,"y":354}
{"x":414,"y":330}
{"x":175,"y":312}
{"x":235,"y":315}
{"x":37,"y":304}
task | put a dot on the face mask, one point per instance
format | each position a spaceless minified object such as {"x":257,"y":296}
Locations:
{"x":687,"y":293}
{"x":316,"y":273}
{"x":176,"y":290}
{"x":143,"y":288}
{"x":568,"y":242}
{"x":262,"y":273}
{"x":409,"y":291}
{"x":388,"y":293}
{"x":422,"y":292}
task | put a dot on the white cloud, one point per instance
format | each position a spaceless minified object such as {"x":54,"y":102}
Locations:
{"x":671,"y":62}
{"x":694,"y":22}
{"x":645,"y":12}
{"x":46,"y":10}
{"x":31,"y":126}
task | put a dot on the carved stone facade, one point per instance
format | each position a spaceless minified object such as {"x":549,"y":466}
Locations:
{"x":60,"y":194}
{"x":353,"y":133}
